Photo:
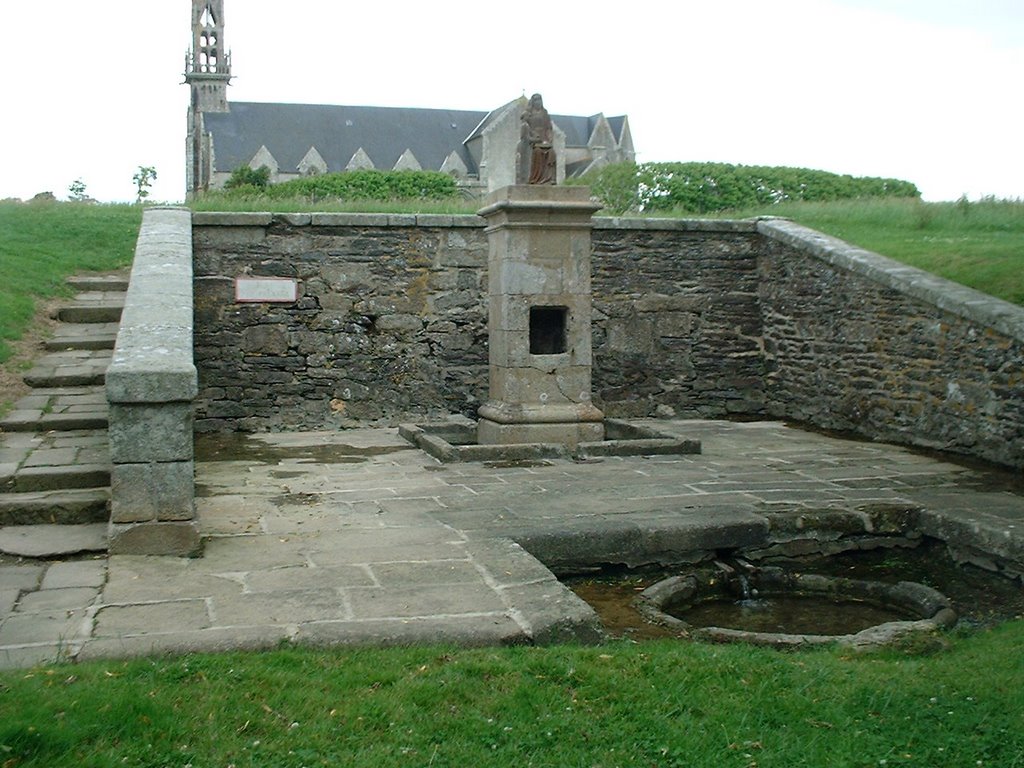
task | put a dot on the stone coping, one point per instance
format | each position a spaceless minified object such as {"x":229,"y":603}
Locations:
{"x":931,"y":609}
{"x":153,"y":358}
{"x":972,"y":305}
{"x":265,"y":219}
{"x":978,"y":307}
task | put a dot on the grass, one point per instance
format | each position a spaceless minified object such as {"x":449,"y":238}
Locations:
{"x":42,"y":244}
{"x":658,"y":704}
{"x":980,"y":244}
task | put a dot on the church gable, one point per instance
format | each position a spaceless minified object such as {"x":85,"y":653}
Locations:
{"x":263,"y":158}
{"x":312,"y":164}
{"x":360,"y":162}
{"x":408,"y":162}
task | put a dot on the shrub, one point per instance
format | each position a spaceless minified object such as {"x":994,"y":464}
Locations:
{"x":385,"y":186}
{"x":709,"y":187}
{"x":244,"y":176}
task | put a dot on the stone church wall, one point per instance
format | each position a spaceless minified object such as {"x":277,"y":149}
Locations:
{"x":390,"y":323}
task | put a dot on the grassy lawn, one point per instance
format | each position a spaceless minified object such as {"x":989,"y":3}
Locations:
{"x":41,"y":245}
{"x":980,"y":245}
{"x":662,"y":703}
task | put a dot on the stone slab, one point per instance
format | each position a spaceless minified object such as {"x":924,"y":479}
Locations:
{"x":8,"y":599}
{"x":21,"y":577}
{"x":163,"y":491}
{"x":30,"y":656}
{"x":423,"y":601}
{"x":75,"y":573}
{"x":179,"y":539}
{"x":212,"y":640}
{"x":152,"y":618}
{"x":284,"y":607}
{"x":63,"y":507}
{"x":158,"y":432}
{"x":468,"y":631}
{"x":99,"y":281}
{"x":83,"y":336}
{"x":61,"y":477}
{"x":53,"y":627}
{"x":48,"y":600}
{"x":53,"y":540}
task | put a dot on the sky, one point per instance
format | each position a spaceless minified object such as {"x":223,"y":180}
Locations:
{"x":925,"y":90}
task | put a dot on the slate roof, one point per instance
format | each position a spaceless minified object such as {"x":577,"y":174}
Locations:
{"x":337,"y":132}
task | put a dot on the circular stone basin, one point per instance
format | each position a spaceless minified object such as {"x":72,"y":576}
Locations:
{"x":769,"y":606}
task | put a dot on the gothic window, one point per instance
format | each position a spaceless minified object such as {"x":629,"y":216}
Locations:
{"x":208,"y":20}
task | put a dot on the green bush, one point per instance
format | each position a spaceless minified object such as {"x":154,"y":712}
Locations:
{"x":358,"y":185}
{"x":708,"y":187}
{"x":244,"y":176}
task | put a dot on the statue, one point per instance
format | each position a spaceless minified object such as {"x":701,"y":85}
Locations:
{"x":537,"y":162}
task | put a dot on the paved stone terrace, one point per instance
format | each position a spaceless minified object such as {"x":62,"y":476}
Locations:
{"x":356,"y":538}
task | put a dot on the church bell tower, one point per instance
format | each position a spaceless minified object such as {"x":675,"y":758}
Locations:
{"x":208,"y":64}
{"x":207,"y":73}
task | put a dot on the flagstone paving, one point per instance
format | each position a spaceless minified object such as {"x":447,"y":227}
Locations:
{"x":354,"y":537}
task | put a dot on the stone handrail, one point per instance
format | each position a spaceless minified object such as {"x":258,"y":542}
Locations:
{"x":151,"y":384}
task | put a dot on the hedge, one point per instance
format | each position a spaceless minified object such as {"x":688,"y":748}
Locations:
{"x":710,"y":187}
{"x":351,"y":185}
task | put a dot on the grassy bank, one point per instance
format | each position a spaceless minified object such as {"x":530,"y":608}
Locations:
{"x":659,"y":704}
{"x":980,"y":245}
{"x":41,"y":245}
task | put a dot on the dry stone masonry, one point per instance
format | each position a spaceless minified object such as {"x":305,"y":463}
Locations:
{"x":690,"y":318}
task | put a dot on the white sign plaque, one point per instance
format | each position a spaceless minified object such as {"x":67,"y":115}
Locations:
{"x":269,"y":290}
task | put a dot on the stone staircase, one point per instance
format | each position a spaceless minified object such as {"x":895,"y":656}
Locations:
{"x":54,"y":456}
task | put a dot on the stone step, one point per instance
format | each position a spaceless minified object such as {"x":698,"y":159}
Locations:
{"x":83,"y":336}
{"x":58,"y":478}
{"x":93,"y":307}
{"x":73,"y":507}
{"x":71,"y":368}
{"x":50,"y":541}
{"x":66,"y":408}
{"x":98,"y":283}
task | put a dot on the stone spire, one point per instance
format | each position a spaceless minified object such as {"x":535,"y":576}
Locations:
{"x":208,"y":64}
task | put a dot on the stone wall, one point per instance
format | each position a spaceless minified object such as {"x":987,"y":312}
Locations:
{"x":391,"y":319}
{"x":150,"y":385}
{"x":857,"y":342}
{"x":677,"y":321}
{"x":691,"y":318}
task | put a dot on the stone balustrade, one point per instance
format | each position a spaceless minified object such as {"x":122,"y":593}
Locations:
{"x":151,"y":385}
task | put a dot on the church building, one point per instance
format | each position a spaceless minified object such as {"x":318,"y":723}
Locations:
{"x":478,"y":148}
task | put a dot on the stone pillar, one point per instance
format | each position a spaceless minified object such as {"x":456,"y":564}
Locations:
{"x":539,"y":323}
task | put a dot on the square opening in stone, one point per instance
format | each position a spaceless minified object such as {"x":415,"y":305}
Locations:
{"x":548,"y":330}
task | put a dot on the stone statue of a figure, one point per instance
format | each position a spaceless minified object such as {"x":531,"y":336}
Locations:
{"x":537,"y":164}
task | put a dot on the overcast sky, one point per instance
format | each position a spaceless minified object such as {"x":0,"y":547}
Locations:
{"x":924,"y":90}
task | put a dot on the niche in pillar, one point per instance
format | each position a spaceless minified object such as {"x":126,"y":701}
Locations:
{"x":548,"y":328}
